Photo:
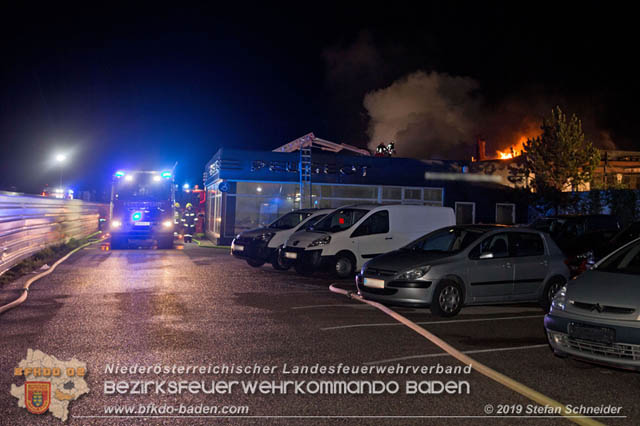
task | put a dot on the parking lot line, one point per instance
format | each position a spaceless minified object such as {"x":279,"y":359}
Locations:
{"x":395,"y":324}
{"x":439,"y":354}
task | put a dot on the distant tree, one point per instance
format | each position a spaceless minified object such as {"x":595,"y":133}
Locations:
{"x":561,"y":159}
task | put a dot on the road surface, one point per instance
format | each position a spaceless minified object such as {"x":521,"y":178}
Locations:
{"x":200,"y":307}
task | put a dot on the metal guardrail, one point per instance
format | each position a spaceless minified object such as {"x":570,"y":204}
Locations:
{"x":29,"y":223}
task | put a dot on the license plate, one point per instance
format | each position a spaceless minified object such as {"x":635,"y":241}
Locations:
{"x":290,"y":255}
{"x":373,"y":283}
{"x":142,"y":223}
{"x":237,"y":247}
{"x":594,"y":334}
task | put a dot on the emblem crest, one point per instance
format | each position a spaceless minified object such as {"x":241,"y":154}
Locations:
{"x":37,"y":396}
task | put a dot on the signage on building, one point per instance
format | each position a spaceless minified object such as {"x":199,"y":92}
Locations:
{"x":316,"y":168}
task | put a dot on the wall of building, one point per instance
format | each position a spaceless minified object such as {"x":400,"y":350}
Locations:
{"x":248,"y":189}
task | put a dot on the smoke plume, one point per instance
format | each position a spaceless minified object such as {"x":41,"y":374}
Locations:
{"x":439,"y":116}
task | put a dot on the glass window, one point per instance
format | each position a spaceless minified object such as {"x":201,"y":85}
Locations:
{"x":344,"y":191}
{"x":340,"y":220}
{"x":329,"y":203}
{"x":448,"y":240}
{"x":433,"y":194}
{"x":625,"y":261}
{"x":266,"y":189}
{"x":255,"y":212}
{"x":505,"y":213}
{"x":391,"y":193}
{"x":289,"y":220}
{"x":377,"y":223}
{"x":465,"y":213}
{"x":527,"y":244}
{"x":412,"y":194}
{"x":497,"y":245}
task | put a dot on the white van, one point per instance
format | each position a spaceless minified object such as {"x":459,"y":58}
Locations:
{"x":261,"y":245}
{"x":345,"y":239}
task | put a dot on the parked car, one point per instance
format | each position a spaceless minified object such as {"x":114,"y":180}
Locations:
{"x":348,"y":237}
{"x":467,"y":265}
{"x":629,"y":233}
{"x":596,"y":316}
{"x":580,"y":237}
{"x":258,"y":246}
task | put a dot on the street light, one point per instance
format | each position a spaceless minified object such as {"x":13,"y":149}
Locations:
{"x":60,"y":159}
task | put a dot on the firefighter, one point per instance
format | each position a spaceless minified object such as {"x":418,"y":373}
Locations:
{"x":177,"y":219}
{"x":189,"y":220}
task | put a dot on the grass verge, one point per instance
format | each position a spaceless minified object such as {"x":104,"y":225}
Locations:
{"x":46,"y":256}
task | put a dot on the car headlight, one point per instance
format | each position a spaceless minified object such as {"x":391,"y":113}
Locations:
{"x":320,"y":241}
{"x":266,"y":237}
{"x":167,"y":224}
{"x":413,"y":274}
{"x":116,"y":224}
{"x":559,"y":301}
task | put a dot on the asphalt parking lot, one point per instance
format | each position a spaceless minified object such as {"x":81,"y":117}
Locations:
{"x":200,"y":306}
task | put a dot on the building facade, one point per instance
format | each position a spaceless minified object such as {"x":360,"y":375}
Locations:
{"x":248,"y":189}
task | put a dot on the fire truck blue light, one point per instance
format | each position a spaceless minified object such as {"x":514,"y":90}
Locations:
{"x":136,"y":216}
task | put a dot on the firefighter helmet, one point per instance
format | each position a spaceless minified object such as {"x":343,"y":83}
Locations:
{"x":176,"y":205}
{"x":189,"y":205}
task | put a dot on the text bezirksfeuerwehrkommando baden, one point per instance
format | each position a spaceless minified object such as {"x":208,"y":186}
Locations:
{"x":258,"y":369}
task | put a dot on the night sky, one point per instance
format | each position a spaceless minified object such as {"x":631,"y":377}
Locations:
{"x":145,"y":86}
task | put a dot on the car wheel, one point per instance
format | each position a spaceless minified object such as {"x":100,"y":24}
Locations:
{"x":279,"y":264}
{"x":550,"y":290}
{"x":447,"y":299}
{"x":344,"y":266}
{"x":255,"y":263}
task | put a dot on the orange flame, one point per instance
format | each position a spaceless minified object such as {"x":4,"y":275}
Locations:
{"x":516,"y":149}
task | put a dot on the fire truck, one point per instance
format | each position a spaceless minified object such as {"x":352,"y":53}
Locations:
{"x":142,"y":208}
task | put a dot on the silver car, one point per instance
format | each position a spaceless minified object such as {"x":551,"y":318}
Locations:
{"x":597,"y":316}
{"x":467,"y":265}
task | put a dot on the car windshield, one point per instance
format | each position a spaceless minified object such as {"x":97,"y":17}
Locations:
{"x":311,"y":222}
{"x":625,"y":261}
{"x":143,"y":187}
{"x":340,"y":220}
{"x":447,"y":240}
{"x":289,"y":220}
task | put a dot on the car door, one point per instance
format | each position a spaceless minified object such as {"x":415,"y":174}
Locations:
{"x":530,"y":264}
{"x":490,"y":269}
{"x":372,"y":236}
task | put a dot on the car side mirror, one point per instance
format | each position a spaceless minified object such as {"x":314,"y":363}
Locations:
{"x":487,"y":255}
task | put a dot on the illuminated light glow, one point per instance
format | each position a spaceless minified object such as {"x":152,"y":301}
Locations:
{"x":136,"y":216}
{"x":341,"y":221}
{"x":165,"y":175}
{"x":60,"y":158}
{"x":71,"y":191}
{"x":119,"y":173}
{"x":157,"y":178}
{"x":128,"y":178}
{"x":116,"y":224}
{"x":259,"y":189}
{"x":167,"y":224}
{"x":58,"y":191}
{"x":185,"y":186}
